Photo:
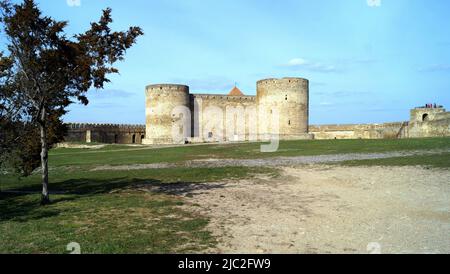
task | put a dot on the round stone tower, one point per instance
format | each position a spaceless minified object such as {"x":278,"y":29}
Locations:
{"x":161,"y":100}
{"x":290,"y":98}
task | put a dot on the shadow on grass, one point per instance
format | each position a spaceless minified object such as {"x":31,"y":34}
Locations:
{"x":23,"y":210}
{"x":188,"y":189}
{"x":21,"y":204}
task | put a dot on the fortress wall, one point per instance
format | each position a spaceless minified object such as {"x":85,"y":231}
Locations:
{"x":105,"y":133}
{"x":434,"y":128}
{"x":429,"y":122}
{"x":75,"y":136}
{"x":420,"y":114}
{"x":424,"y":122}
{"x":360,"y":131}
{"x":443,"y":115}
{"x":218,"y":118}
{"x":222,"y":118}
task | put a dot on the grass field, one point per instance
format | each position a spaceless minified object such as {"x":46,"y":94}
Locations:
{"x":118,"y":155}
{"x":108,"y":211}
{"x":437,"y":161}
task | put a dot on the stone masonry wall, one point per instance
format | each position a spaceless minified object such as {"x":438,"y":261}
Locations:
{"x":360,"y":131}
{"x":105,"y":133}
{"x":223,"y":118}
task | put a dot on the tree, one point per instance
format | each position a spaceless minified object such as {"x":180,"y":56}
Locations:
{"x":20,"y":151}
{"x":13,"y":120}
{"x":48,"y":71}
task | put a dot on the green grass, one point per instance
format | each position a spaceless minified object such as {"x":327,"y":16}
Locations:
{"x":123,"y":155}
{"x":124,"y":222}
{"x":435,"y":161}
{"x":108,"y":211}
{"x":67,"y":179}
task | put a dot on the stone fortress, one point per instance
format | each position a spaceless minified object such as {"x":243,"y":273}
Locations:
{"x":226,"y":118}
{"x":281,"y":107}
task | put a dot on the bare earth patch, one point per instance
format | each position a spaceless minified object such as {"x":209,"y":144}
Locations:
{"x":331,"y":209}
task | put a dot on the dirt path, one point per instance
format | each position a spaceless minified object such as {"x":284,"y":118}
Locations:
{"x":274,"y":161}
{"x":328,"y":209}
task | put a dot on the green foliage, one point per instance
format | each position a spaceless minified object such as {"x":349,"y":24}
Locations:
{"x":26,"y":158}
{"x":44,"y":71}
{"x":20,"y":143}
{"x":52,"y":69}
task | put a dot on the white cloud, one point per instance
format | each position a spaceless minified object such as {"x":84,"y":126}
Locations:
{"x":300,"y":63}
{"x":297,"y":62}
{"x":110,"y":93}
{"x":374,"y":3}
{"x":73,"y":3}
{"x":343,"y":93}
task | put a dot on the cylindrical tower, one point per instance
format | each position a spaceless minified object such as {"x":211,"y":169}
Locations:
{"x":161,"y":100}
{"x":290,"y":98}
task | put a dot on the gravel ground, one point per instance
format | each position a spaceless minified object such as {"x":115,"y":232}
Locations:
{"x":328,"y":209}
{"x":273,"y":162}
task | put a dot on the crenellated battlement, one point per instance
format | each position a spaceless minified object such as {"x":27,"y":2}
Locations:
{"x":224,"y":97}
{"x":168,"y":87}
{"x":283,"y":82}
{"x":290,"y":96}
{"x":83,"y":126}
{"x":105,"y":133}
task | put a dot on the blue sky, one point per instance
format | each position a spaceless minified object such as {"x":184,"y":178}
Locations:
{"x":368,"y":61}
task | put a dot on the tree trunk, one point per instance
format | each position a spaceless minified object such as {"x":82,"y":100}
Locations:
{"x":45,"y":198}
